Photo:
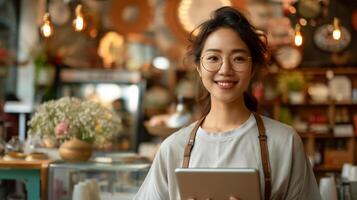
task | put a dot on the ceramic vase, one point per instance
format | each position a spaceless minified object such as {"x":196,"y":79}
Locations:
{"x":75,"y":150}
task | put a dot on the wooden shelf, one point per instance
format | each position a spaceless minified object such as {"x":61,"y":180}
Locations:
{"x":308,"y":103}
{"x":333,"y":156}
{"x":317,"y":70}
{"x":321,"y":135}
{"x":322,"y":168}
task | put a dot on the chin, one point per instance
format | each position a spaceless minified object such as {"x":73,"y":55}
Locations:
{"x":229,"y":99}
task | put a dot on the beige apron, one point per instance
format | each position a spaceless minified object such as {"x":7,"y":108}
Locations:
{"x":264,"y":153}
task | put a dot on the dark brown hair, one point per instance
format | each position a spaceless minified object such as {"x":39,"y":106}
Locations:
{"x":226,"y":17}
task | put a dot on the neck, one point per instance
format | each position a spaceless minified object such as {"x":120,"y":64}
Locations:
{"x":224,"y":117}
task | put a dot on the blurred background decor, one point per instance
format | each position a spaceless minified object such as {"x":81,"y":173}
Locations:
{"x":70,"y":119}
{"x":292,"y":87}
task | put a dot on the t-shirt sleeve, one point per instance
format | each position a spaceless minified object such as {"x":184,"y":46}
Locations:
{"x":302,"y":184}
{"x":155,"y":185}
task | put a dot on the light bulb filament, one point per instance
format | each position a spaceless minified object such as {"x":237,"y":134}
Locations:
{"x":336,"y":33}
{"x":46,"y":27}
{"x":78,"y":22}
{"x":298,"y":37}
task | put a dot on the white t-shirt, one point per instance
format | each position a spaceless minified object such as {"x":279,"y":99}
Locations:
{"x":292,"y":176}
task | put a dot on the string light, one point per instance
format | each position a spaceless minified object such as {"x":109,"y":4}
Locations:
{"x":336,"y":33}
{"x":78,"y":22}
{"x":46,"y":27}
{"x":298,"y":37}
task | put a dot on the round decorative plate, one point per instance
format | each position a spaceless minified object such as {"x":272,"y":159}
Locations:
{"x":260,"y":13}
{"x":309,"y":9}
{"x":111,"y":49}
{"x":288,"y":57}
{"x":130,"y":16}
{"x":59,"y":11}
{"x":324,"y":40}
{"x":279,"y":31}
{"x":354,"y":19}
{"x":340,"y":88}
{"x":182,"y":15}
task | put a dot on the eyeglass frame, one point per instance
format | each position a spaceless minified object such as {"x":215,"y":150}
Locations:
{"x":201,"y":58}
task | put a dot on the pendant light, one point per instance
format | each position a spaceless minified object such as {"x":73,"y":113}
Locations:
{"x":46,"y":28}
{"x":336,"y":31}
{"x":298,"y":37}
{"x":78,"y":22}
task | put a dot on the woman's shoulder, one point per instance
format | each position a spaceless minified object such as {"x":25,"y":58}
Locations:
{"x":281,"y":135}
{"x":178,"y":138}
{"x":276,"y":128}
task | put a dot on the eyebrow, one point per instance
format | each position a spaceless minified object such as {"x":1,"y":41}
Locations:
{"x":233,"y":51}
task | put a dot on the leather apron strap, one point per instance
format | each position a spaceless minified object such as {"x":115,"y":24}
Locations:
{"x":189,"y":146}
{"x":264,"y":153}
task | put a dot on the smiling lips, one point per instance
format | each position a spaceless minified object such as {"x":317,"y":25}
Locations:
{"x":226,"y":84}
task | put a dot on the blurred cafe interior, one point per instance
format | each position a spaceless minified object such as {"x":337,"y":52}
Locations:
{"x":112,"y":78}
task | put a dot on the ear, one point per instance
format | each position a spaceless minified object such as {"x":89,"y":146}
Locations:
{"x":254,"y":70}
{"x":198,"y":68}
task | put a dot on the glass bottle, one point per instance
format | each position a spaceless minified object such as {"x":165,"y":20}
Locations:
{"x":14,"y":144}
{"x":2,"y":141}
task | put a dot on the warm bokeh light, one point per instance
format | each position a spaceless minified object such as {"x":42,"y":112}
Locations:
{"x":46,"y":27}
{"x":161,"y":63}
{"x":336,"y":33}
{"x":298,"y":37}
{"x":78,"y":22}
{"x":303,"y":21}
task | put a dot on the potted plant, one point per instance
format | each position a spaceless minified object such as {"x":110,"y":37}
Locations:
{"x":75,"y":125}
{"x":292,"y":86}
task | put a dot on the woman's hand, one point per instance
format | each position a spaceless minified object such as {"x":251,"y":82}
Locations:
{"x":230,"y":198}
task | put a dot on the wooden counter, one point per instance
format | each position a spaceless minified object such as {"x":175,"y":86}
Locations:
{"x":33,"y":172}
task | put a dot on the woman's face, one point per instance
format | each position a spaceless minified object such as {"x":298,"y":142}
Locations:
{"x":228,"y":82}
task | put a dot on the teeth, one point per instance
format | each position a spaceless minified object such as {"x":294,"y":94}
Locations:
{"x":225,"y":84}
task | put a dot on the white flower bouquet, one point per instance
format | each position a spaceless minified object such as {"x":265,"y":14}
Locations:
{"x":70,"y":117}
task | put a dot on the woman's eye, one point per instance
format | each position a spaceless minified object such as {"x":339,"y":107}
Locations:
{"x":213,"y":58}
{"x":239,"y":59}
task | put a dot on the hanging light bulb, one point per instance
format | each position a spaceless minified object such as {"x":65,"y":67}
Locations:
{"x":46,"y":27}
{"x":298,"y":36}
{"x":78,"y":22}
{"x":336,"y":33}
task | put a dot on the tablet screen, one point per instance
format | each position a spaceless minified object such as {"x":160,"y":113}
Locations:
{"x":218,"y":183}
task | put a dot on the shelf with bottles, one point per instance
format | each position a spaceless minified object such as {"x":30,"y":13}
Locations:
{"x":322,"y":168}
{"x":324,"y":115}
{"x":328,"y":135}
{"x":307,"y":86}
{"x":349,"y":70}
{"x":330,"y":154}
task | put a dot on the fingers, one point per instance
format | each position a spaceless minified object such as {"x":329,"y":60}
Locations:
{"x":230,"y":198}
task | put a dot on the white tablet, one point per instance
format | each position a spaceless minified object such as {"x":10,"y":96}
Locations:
{"x":218,"y":183}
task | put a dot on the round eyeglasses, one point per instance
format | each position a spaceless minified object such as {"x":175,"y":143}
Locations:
{"x":212,"y":62}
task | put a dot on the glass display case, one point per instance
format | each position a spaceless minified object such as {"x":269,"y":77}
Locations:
{"x":119,"y":90}
{"x":9,"y":25}
{"x":115,"y":180}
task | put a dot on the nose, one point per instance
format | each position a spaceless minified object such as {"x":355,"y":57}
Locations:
{"x":226,"y":67}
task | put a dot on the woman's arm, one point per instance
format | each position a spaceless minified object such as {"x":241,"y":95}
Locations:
{"x":302,"y":184}
{"x":155,"y":185}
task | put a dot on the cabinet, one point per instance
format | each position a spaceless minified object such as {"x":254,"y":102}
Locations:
{"x":327,"y":127}
{"x":119,"y":90}
{"x":33,"y":172}
{"x":115,"y":180}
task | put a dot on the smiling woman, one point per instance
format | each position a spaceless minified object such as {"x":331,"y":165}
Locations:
{"x":226,"y":68}
{"x":227,"y":51}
